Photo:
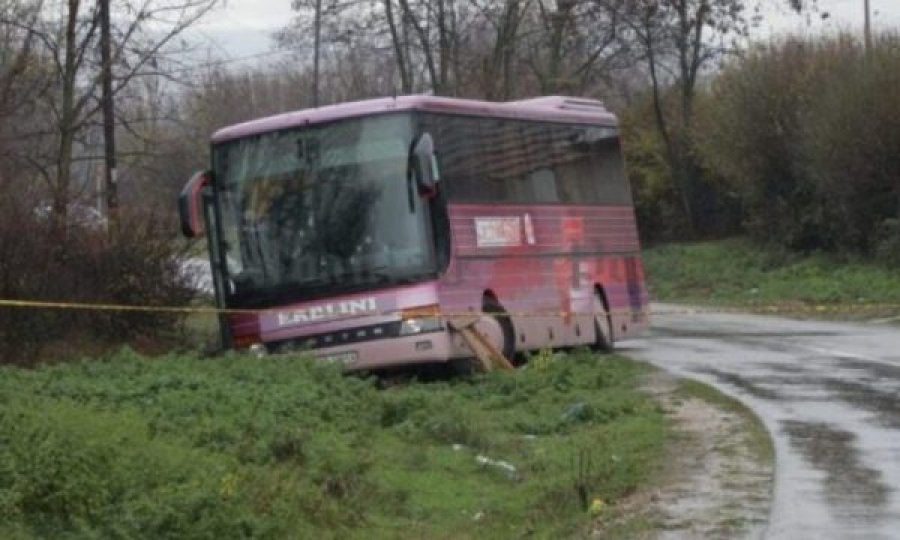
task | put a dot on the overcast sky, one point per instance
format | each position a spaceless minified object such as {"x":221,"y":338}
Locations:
{"x":244,"y":27}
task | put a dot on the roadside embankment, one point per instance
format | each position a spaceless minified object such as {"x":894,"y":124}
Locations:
{"x":743,"y":274}
{"x":719,"y":470}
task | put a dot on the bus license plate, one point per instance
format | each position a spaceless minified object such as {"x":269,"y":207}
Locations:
{"x":345,"y":358}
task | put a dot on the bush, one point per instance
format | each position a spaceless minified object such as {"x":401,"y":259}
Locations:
{"x":660,"y":212}
{"x":99,"y":475}
{"x":656,"y":206}
{"x":851,"y":141}
{"x":887,"y":241}
{"x":135,"y":264}
{"x":750,"y":135}
{"x":806,"y":132}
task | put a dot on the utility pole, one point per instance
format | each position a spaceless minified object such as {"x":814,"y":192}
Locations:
{"x":868,"y":27}
{"x":318,"y":40}
{"x":109,"y":127}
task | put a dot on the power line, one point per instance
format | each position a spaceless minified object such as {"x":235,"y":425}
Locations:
{"x":227,"y":61}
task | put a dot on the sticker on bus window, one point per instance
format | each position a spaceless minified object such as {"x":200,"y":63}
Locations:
{"x":498,"y":231}
{"x":529,"y":230}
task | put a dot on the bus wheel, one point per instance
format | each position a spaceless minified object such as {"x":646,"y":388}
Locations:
{"x":602,"y":324}
{"x":499,"y":314}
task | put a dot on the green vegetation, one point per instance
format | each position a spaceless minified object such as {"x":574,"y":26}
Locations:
{"x":793,"y":143}
{"x":236,"y":446}
{"x":805,"y":131}
{"x":741,"y":272}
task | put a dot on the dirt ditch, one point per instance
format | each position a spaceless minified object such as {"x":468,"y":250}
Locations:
{"x":718,"y":480}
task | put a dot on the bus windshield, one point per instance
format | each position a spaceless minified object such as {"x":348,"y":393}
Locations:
{"x":321,"y":209}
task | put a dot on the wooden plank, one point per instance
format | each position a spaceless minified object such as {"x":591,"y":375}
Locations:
{"x":487,"y":354}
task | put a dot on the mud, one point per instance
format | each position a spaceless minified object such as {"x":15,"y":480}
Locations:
{"x":714,"y":485}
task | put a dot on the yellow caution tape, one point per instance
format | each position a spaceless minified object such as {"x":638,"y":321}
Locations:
{"x":85,"y":306}
{"x":209,"y":310}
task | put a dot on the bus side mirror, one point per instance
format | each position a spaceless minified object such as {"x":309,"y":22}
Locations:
{"x":190,"y":204}
{"x":425,"y":165}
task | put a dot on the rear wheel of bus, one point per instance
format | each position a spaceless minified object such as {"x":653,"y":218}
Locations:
{"x":603,"y":326}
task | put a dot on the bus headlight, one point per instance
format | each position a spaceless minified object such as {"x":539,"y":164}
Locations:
{"x":421,"y":319}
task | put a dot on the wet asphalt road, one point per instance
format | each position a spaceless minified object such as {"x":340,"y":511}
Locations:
{"x":829,"y":393}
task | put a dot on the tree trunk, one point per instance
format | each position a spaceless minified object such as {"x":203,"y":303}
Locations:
{"x":673,"y":152}
{"x":317,"y":39}
{"x":558,"y":22}
{"x":60,"y":206}
{"x":67,"y":119}
{"x":399,"y":57}
{"x":422,"y":34}
{"x":443,"y":43}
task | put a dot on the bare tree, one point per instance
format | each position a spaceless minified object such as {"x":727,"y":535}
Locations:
{"x":16,"y":56}
{"x":677,"y":41}
{"x":499,"y":45}
{"x":575,"y":43}
{"x":24,"y":75}
{"x":401,"y":58}
{"x":336,"y":26}
{"x":143,"y":36}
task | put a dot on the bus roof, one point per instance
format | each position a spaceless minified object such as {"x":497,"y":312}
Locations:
{"x":547,"y":109}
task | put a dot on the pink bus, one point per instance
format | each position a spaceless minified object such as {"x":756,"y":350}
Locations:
{"x":355,"y":230}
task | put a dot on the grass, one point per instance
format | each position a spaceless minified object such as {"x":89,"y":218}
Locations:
{"x":284,"y":447}
{"x":738,"y":272}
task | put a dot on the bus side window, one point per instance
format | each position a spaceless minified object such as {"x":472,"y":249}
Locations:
{"x":543,"y":185}
{"x":588,"y":163}
{"x":610,"y":172}
{"x":542,"y":180}
{"x":459,"y":149}
{"x":571,"y":164}
{"x":497,"y":160}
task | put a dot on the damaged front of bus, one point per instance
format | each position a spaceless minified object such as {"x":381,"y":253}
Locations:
{"x":327,"y":233}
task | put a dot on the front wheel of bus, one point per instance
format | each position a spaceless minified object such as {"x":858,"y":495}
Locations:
{"x":602,"y":325}
{"x":499,"y":314}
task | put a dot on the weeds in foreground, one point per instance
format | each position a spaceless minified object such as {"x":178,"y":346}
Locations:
{"x":286,"y":447}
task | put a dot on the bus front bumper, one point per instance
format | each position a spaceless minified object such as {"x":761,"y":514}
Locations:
{"x":430,"y":347}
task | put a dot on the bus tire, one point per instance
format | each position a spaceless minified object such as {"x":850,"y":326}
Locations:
{"x":496,"y":311}
{"x":603,"y":326}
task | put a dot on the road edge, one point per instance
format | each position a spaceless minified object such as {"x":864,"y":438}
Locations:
{"x":675,"y":506}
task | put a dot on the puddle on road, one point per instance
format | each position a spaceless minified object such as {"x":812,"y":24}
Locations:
{"x":854,"y":490}
{"x":742,"y":383}
{"x":783,"y":367}
{"x":877,"y":370}
{"x":885,"y":405}
{"x":713,"y":334}
{"x":882,"y":403}
{"x":756,"y":340}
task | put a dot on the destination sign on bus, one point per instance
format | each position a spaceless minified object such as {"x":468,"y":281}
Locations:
{"x":328,"y":312}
